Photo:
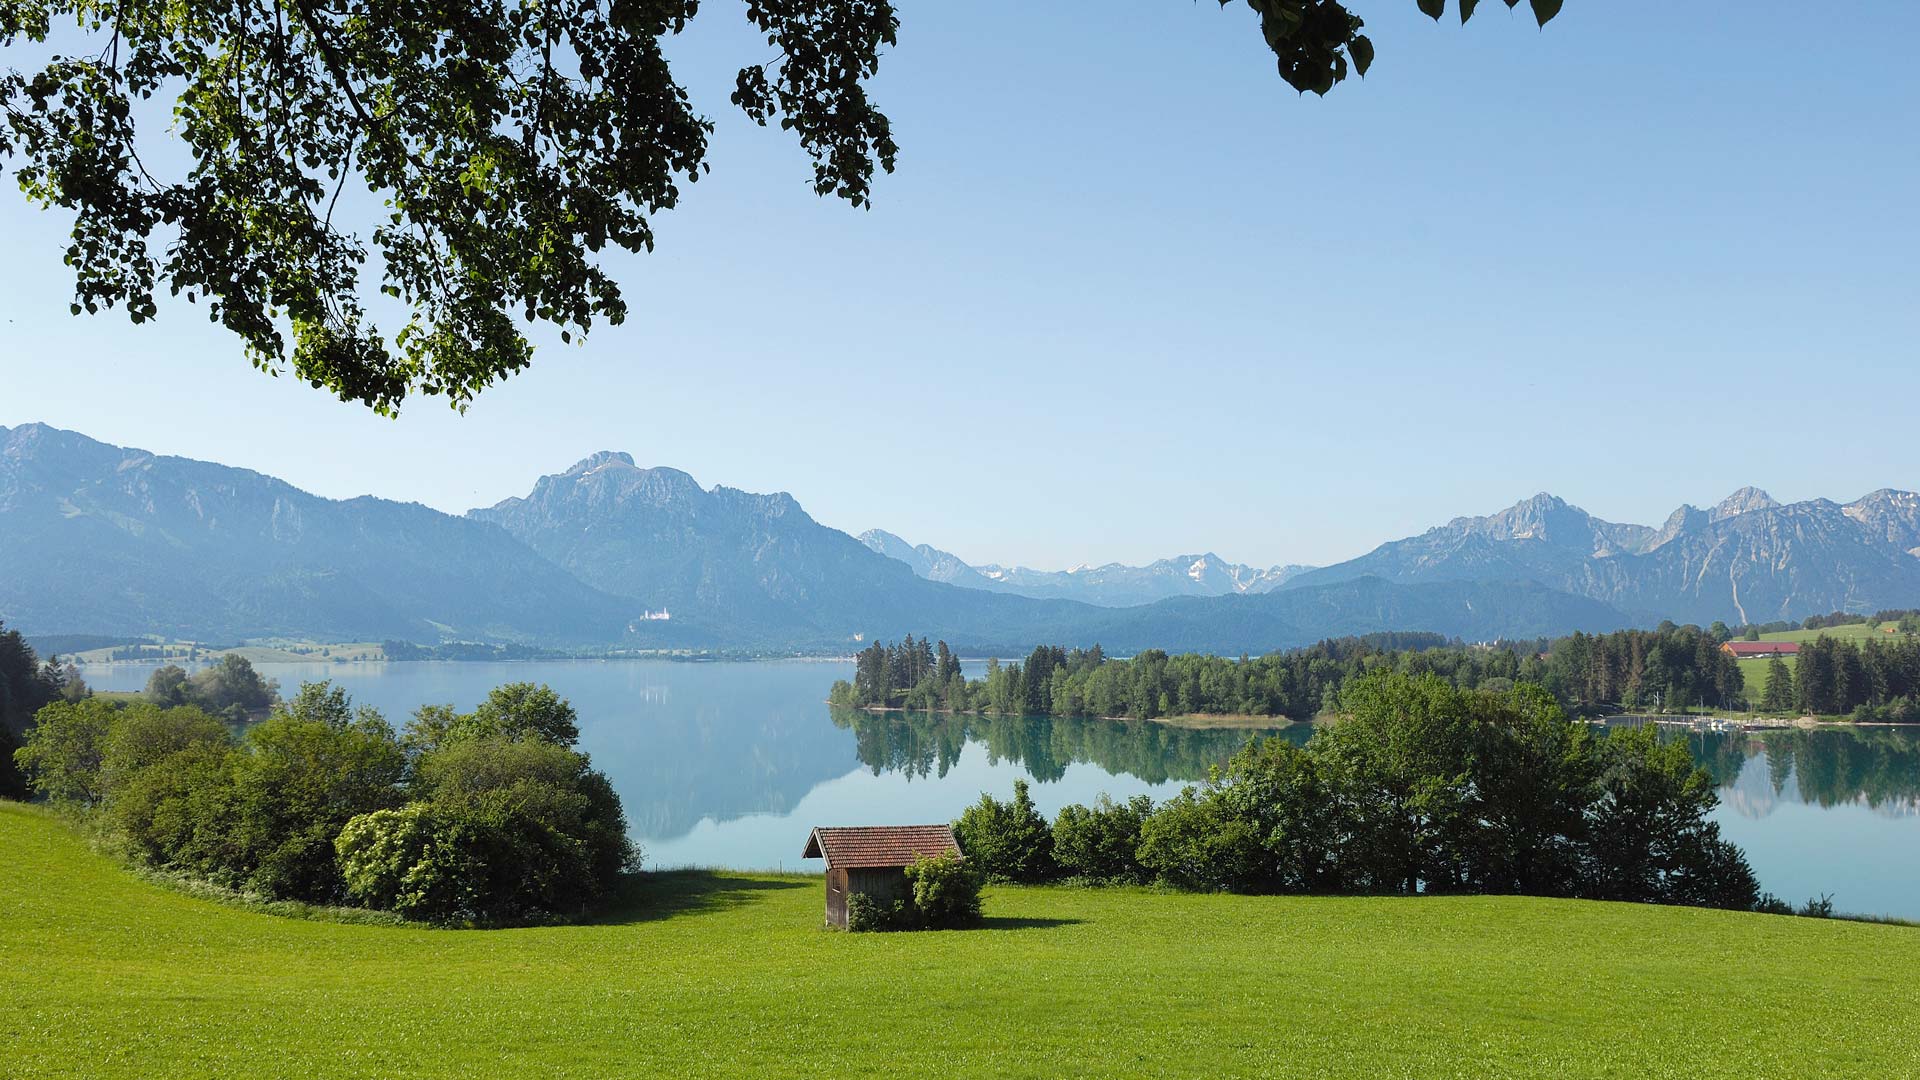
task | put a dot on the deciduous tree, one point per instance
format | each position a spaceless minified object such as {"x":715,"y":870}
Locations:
{"x":510,"y":143}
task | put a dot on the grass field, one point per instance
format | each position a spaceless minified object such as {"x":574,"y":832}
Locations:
{"x":1851,"y":632}
{"x":265,"y":652}
{"x":730,"y":975}
{"x":1756,"y":670}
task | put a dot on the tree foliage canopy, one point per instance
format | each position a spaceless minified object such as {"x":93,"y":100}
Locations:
{"x":1419,"y":787}
{"x":510,"y":141}
{"x":482,"y":823}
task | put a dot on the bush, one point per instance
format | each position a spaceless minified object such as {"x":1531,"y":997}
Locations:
{"x":267,"y":822}
{"x":61,"y":757}
{"x":142,"y":735}
{"x":870,"y":914}
{"x":506,"y":823}
{"x":178,"y":812}
{"x":946,"y":891}
{"x":497,"y":821}
{"x":538,"y":786}
{"x":1101,"y":843}
{"x":1007,"y":841}
{"x":945,"y":895}
{"x":487,"y":862}
{"x":1271,"y":821}
{"x":387,"y":854}
{"x":1193,"y":841}
{"x":1818,"y":907}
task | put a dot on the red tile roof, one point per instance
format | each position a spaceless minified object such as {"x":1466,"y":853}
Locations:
{"x":879,"y":845}
{"x":1762,"y":648}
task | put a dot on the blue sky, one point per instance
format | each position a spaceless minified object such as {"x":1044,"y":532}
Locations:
{"x":1129,"y":296}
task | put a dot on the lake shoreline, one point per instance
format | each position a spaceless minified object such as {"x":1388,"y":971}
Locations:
{"x":1188,"y":722}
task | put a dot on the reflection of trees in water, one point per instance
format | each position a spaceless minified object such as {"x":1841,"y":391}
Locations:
{"x":1723,"y":755}
{"x":1877,"y":765}
{"x":1833,"y":766}
{"x":927,"y":744}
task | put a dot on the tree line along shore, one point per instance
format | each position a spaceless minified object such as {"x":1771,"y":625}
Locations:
{"x":1866,"y":678}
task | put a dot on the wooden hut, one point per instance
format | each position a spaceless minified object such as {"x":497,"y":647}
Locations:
{"x":873,"y":859}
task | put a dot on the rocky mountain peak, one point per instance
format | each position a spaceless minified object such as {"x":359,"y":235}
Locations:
{"x":1545,"y":517}
{"x":1890,"y":515}
{"x":596,"y":462}
{"x":1684,"y":520}
{"x":1744,"y":501}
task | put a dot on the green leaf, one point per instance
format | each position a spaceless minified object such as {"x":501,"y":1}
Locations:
{"x":1434,"y":8}
{"x":1545,"y":10}
{"x":1362,"y":50}
{"x":1466,"y":10}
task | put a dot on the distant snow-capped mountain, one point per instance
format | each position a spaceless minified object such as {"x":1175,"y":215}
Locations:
{"x":103,"y":539}
{"x":1110,"y":585}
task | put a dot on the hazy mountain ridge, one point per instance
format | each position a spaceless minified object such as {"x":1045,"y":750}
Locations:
{"x":1749,"y":559}
{"x":100,"y":539}
{"x":930,"y":562}
{"x":1109,"y":585}
{"x":743,"y":569}
{"x":103,"y":538}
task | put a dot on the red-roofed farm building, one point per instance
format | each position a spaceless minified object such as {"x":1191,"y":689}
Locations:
{"x":873,"y":860}
{"x":1747,"y":650}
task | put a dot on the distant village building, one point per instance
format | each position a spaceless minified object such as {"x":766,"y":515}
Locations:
{"x":663,"y":615}
{"x":873,"y":860}
{"x":1747,"y":650}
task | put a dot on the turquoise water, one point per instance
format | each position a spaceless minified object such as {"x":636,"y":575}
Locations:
{"x":729,"y":764}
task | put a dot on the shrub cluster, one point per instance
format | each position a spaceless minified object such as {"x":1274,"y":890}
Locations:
{"x":944,"y":894}
{"x":1421,"y":787}
{"x":230,"y":689}
{"x":468,"y":819}
{"x":1008,"y":841}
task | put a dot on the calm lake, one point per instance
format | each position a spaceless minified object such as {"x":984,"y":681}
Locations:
{"x":729,"y":765}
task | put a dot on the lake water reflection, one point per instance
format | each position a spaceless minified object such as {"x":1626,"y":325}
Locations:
{"x":1834,"y":810}
{"x":729,"y":764}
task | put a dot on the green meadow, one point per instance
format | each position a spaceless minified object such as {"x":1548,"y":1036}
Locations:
{"x":1855,"y":632}
{"x":108,"y":975}
{"x":264,"y":652}
{"x":1756,"y":670}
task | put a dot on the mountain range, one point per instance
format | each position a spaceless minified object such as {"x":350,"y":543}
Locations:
{"x":608,"y":555}
{"x":1111,"y":585}
{"x":1749,"y":559}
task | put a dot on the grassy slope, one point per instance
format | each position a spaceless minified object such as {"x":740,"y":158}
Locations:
{"x":1758,"y":672}
{"x":730,"y":976}
{"x":1755,"y":670}
{"x":1851,"y":631}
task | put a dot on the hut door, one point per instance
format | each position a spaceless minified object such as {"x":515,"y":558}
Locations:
{"x":837,"y":897}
